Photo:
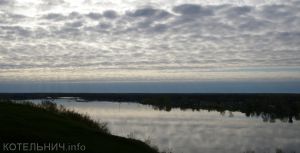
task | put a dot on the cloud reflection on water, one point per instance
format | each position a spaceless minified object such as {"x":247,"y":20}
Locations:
{"x":193,"y":131}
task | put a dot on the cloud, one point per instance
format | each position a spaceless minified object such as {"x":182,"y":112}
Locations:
{"x":103,"y":26}
{"x":50,"y":4}
{"x":182,"y":36}
{"x":192,"y":10}
{"x":5,"y":2}
{"x":75,"y":24}
{"x":94,"y":16}
{"x":53,"y":2}
{"x":237,"y":11}
{"x":9,"y":18}
{"x":6,"y":5}
{"x":253,"y":24}
{"x":13,"y":32}
{"x":146,"y":12}
{"x":150,"y":13}
{"x":160,"y":28}
{"x":54,"y":16}
{"x":278,"y":11}
{"x":110,"y":14}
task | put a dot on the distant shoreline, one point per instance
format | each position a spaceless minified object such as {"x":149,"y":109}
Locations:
{"x":270,"y":107}
{"x":134,"y":97}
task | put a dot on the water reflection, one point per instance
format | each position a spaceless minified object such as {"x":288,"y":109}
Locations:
{"x":193,"y":131}
{"x":269,"y":111}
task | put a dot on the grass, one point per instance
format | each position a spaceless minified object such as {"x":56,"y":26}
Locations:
{"x":49,"y":123}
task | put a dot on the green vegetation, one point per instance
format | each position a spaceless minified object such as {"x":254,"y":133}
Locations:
{"x":49,"y":123}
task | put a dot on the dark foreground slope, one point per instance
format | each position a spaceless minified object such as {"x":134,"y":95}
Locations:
{"x":50,"y":124}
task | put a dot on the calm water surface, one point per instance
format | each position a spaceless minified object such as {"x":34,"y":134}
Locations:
{"x":192,"y":131}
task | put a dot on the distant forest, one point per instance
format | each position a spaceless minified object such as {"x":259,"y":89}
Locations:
{"x":285,"y":107}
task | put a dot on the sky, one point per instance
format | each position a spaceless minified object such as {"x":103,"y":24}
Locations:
{"x":150,"y":46}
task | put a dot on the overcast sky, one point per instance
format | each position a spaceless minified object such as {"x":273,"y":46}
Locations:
{"x":161,"y":41}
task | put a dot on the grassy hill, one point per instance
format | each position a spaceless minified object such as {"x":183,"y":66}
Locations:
{"x":47,"y":123}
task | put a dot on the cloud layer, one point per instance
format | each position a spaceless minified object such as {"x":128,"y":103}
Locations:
{"x":158,"y":36}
